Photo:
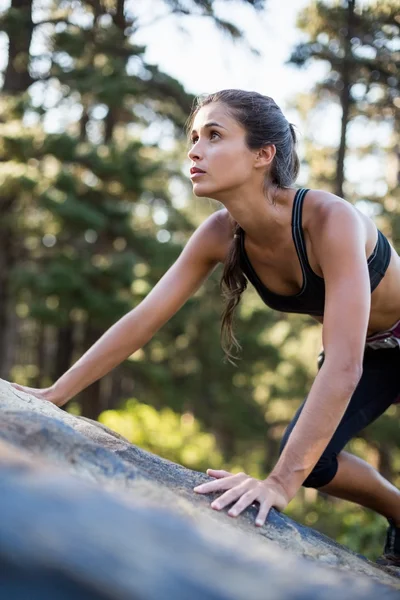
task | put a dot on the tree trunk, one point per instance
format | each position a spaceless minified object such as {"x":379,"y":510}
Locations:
{"x":17,"y":78}
{"x":40,"y":355}
{"x":119,"y":15}
{"x":109,"y":126}
{"x":7,"y":260}
{"x":82,"y":125}
{"x":16,"y":81}
{"x":90,"y":397}
{"x":64,"y":351}
{"x":345,"y":99}
{"x":119,"y":19}
{"x":397,"y":149}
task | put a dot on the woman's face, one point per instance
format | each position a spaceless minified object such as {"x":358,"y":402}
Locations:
{"x":221,"y":160}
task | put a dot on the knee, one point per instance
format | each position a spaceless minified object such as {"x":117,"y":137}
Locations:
{"x":323,"y":472}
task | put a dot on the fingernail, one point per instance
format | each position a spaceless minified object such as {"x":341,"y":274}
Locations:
{"x":258,"y":523}
{"x":232,"y":513}
{"x":215,"y":505}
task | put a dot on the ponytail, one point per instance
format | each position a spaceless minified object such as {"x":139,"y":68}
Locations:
{"x":233,"y":283}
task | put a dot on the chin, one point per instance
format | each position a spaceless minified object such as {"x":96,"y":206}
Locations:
{"x":205,"y":191}
{"x":201,"y":191}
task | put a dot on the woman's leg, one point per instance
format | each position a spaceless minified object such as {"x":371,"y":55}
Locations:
{"x":343,"y":475}
{"x":357,"y":481}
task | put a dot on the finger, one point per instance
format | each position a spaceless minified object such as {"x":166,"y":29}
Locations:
{"x":265,"y":507}
{"x":246,"y":500}
{"x":230,"y":496}
{"x":217,"y":485}
{"x":17,"y":386}
{"x":23,"y":388}
{"x":218,"y":474}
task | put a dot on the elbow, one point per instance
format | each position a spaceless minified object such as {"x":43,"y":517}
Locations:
{"x":347,"y":373}
{"x":352,"y":375}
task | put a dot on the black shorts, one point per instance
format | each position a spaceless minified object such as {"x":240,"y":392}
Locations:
{"x":378,"y":388}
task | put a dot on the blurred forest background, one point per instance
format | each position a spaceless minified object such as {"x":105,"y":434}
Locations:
{"x":92,"y":216}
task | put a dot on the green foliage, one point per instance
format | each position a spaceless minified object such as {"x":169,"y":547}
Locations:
{"x":175,"y":436}
{"x":360,"y":52}
{"x":372,"y":59}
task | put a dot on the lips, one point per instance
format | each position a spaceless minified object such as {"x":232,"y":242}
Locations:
{"x":194,"y":170}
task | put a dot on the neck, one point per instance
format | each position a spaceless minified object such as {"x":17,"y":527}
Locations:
{"x":262,"y":215}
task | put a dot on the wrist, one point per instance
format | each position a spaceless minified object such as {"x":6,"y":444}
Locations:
{"x":288,"y":485}
{"x":55,"y":395}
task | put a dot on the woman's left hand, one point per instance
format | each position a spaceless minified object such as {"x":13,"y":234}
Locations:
{"x":244,"y":490}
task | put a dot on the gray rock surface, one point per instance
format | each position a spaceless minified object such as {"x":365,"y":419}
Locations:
{"x":108,"y":520}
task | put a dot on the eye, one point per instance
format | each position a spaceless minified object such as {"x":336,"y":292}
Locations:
{"x":194,"y":139}
{"x":214,"y":135}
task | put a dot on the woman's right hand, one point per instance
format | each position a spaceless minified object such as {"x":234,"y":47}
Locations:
{"x":48,"y":394}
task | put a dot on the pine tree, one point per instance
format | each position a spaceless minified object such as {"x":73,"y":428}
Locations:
{"x":89,"y":179}
{"x":359,"y":45}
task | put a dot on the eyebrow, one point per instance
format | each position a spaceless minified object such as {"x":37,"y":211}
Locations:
{"x":209,"y":124}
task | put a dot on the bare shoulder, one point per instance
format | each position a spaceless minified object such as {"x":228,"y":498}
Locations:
{"x":221,"y":221}
{"x":217,"y":233}
{"x":323,"y":211}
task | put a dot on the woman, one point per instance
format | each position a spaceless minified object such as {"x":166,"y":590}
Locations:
{"x":318,"y":256}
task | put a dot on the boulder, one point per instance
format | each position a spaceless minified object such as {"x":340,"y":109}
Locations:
{"x":85,"y":514}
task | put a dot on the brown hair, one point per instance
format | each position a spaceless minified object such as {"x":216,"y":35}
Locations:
{"x":265,"y":124}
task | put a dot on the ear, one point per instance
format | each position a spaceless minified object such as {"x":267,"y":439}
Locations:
{"x":265,"y":156}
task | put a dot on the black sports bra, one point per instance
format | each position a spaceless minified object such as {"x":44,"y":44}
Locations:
{"x":311,"y":298}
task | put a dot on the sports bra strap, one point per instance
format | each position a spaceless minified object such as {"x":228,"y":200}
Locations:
{"x":297,"y":229}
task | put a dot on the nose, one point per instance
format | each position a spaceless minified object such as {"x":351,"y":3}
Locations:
{"x":194,"y":152}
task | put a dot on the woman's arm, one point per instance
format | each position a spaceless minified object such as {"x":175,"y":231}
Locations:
{"x":136,"y":328}
{"x":339,"y":244}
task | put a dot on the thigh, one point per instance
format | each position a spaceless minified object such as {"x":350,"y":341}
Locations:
{"x":378,"y":388}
